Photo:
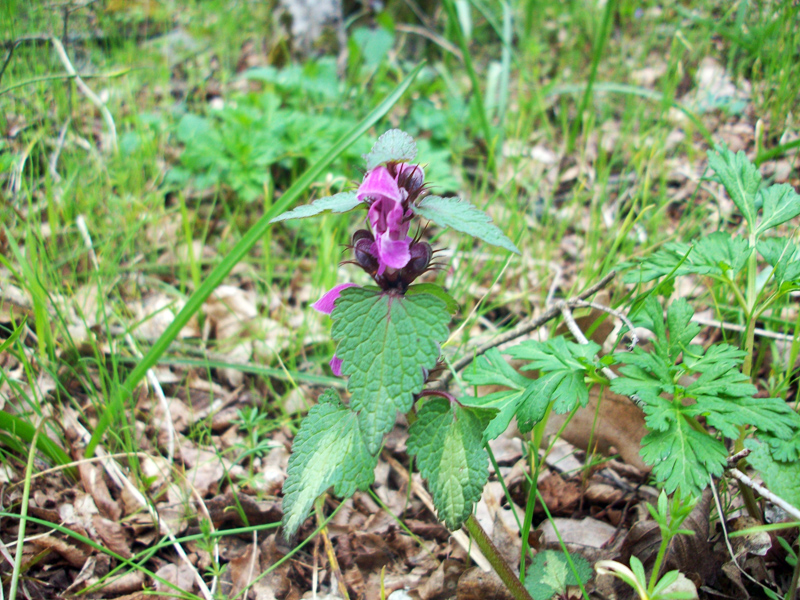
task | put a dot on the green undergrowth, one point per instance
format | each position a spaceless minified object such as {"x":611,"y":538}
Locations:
{"x":574,"y":124}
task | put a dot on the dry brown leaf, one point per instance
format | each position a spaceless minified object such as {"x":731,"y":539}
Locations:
{"x":560,"y":496}
{"x":243,"y":569}
{"x":587,"y":532}
{"x":443,"y":582}
{"x":94,"y":484}
{"x":474,"y":584}
{"x":128,"y":583}
{"x":182,"y":576}
{"x":113,"y":536}
{"x":73,"y":555}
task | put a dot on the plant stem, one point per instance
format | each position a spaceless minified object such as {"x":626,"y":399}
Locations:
{"x":501,"y":567}
{"x":662,"y":551}
{"x":23,"y":514}
{"x":748,"y":497}
{"x":795,"y":580}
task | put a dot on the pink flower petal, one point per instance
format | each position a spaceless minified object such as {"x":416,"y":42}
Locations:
{"x":392,"y":253}
{"x":379,"y":184}
{"x":325,"y":304}
{"x":336,"y":365}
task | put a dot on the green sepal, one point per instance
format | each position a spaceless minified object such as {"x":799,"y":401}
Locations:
{"x":338,"y":203}
{"x":464,"y":217}
{"x":386,"y":343}
{"x":446,"y":440}
{"x":329,"y":450}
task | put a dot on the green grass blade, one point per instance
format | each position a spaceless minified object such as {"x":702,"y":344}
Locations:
{"x":236,"y":254}
{"x":25,"y":431}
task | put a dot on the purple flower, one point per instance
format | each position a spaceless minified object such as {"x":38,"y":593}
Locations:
{"x":389,"y":216}
{"x":325,"y":305}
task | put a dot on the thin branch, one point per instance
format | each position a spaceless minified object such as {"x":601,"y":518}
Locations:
{"x":523,"y":329}
{"x":765,"y":493}
{"x":614,"y":313}
{"x":575,"y":330}
{"x":93,"y":98}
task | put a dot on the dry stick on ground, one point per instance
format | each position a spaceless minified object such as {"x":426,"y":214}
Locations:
{"x":93,"y":98}
{"x":336,"y":572}
{"x":765,"y":493}
{"x":525,"y":328}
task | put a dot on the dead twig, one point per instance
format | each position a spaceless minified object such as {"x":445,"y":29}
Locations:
{"x":550,"y":313}
{"x":765,"y":493}
{"x":93,"y":98}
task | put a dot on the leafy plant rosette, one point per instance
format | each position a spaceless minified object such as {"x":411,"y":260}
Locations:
{"x":388,"y":341}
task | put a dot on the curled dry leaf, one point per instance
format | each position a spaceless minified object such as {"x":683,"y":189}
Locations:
{"x":95,"y":485}
{"x":72,"y":554}
{"x":113,"y":536}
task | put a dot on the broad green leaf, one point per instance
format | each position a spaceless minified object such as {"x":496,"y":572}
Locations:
{"x":779,"y":203}
{"x":329,"y":450}
{"x":464,"y":217}
{"x":338,"y":203}
{"x":447,"y":443}
{"x":740,"y":177}
{"x":682,"y":457}
{"x":387,"y":343}
{"x":434,"y":290}
{"x":782,"y":478}
{"x":549,"y":573}
{"x":393,"y":146}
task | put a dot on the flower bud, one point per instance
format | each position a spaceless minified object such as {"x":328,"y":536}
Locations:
{"x":364,"y":256}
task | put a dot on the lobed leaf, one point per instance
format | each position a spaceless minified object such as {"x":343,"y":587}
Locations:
{"x":779,"y":203}
{"x":683,"y":458}
{"x":783,"y":255}
{"x":549,"y":573}
{"x":464,"y":217}
{"x":329,"y":450}
{"x":393,"y":146}
{"x":740,"y":178}
{"x":338,"y":203}
{"x":387,"y":344}
{"x":446,"y":440}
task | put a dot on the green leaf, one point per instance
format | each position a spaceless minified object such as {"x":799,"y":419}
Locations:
{"x":492,"y":369}
{"x":549,"y":573}
{"x":386,"y":343}
{"x":338,"y":203}
{"x":329,"y":450}
{"x":447,"y":443}
{"x":434,"y":290}
{"x":779,"y":203}
{"x":464,"y":217}
{"x":562,"y":366}
{"x":393,"y":146}
{"x":740,"y":177}
{"x":769,"y":415}
{"x":717,"y":254}
{"x":782,"y":478}
{"x":784,"y":257}
{"x":683,"y":457}
{"x":784,"y":450}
